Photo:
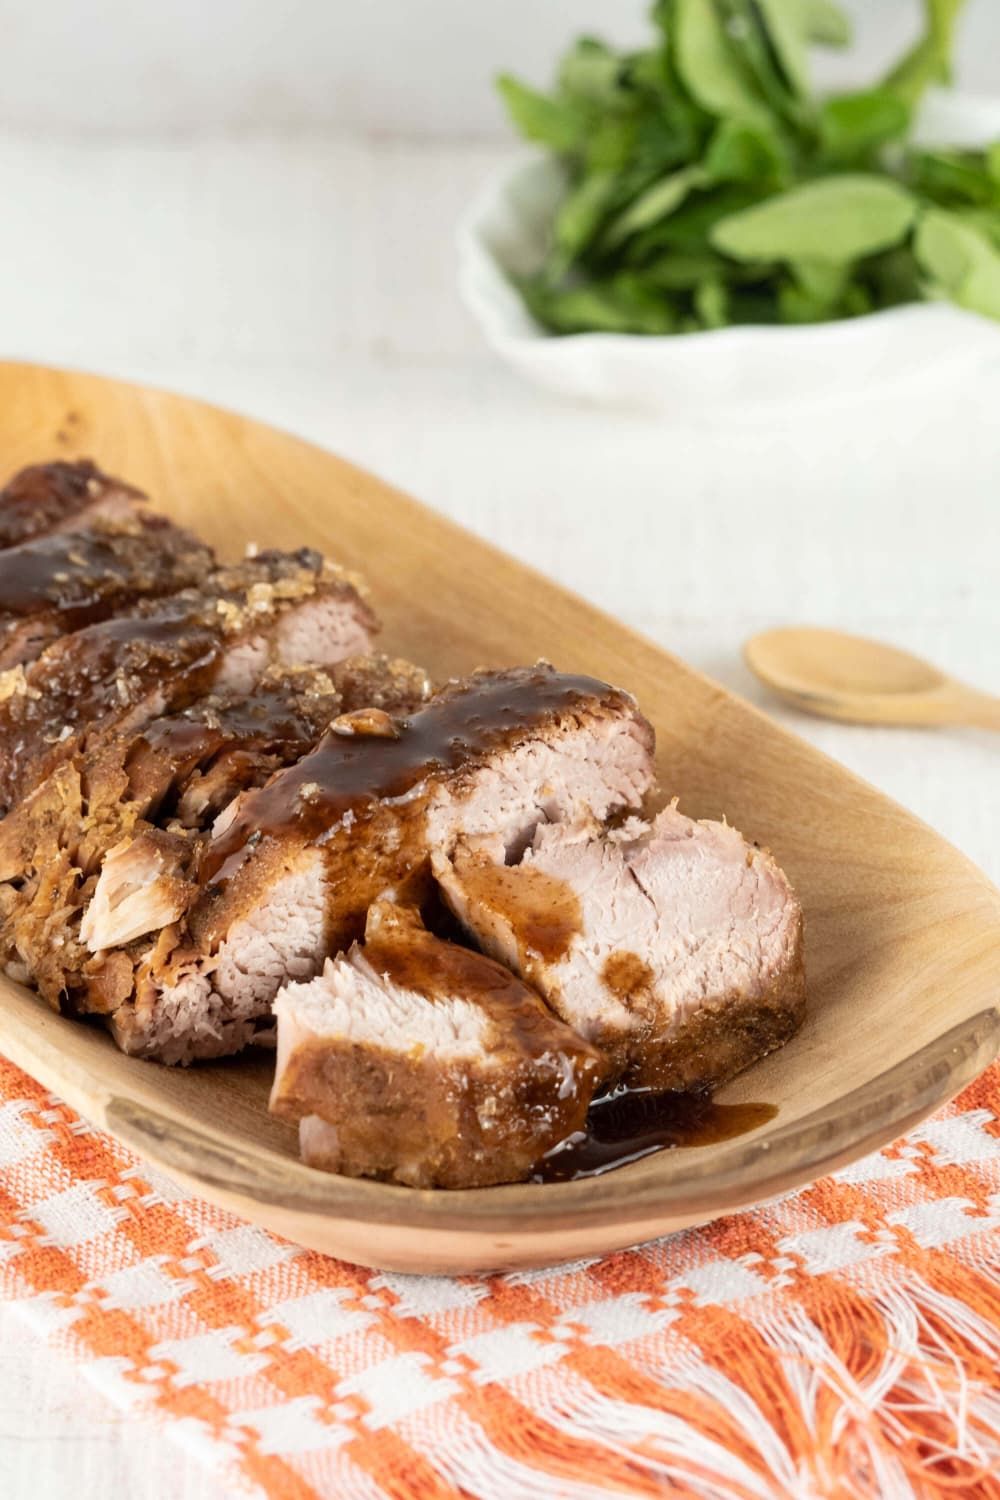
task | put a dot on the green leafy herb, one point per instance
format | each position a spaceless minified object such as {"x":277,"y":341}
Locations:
{"x":711,"y":302}
{"x":582,"y":213}
{"x":550,"y":122}
{"x":954,"y":178}
{"x":929,"y":61}
{"x":787,"y":27}
{"x":655,"y":203}
{"x":740,"y":151}
{"x":593,"y":73}
{"x":707,"y":183}
{"x":853,"y":126}
{"x":835,"y":220}
{"x":961,"y":262}
{"x":709,"y":64}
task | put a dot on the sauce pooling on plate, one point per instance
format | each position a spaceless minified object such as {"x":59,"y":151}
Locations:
{"x":627,"y":1125}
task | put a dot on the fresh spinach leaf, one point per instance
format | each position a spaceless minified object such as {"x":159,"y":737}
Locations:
{"x":823,"y":280}
{"x":960,"y":261}
{"x":929,"y":61}
{"x":582,"y":213}
{"x":954,"y":178}
{"x":754,"y":47}
{"x":611,"y":145}
{"x":835,"y":219}
{"x":741,"y":151}
{"x":680,"y":272}
{"x":851,"y":126}
{"x":891,"y":278}
{"x":711,"y":302}
{"x":787,"y":27}
{"x":593,"y":73}
{"x":557,"y":123}
{"x":615,"y":306}
{"x":690,"y":226}
{"x":709,"y":65}
{"x":657,"y":202}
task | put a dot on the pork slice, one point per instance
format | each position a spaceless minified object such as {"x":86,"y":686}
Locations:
{"x":117,"y":675}
{"x":175,"y":773}
{"x":61,"y":496}
{"x":675,"y":946}
{"x":294,"y":866}
{"x":111,"y":840}
{"x":60,"y":582}
{"x":191,"y":766}
{"x":187,"y":767}
{"x":150,"y":884}
{"x":417,"y":1061}
{"x":320,"y":611}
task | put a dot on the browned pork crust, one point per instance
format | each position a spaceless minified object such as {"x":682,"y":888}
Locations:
{"x":62,"y":582}
{"x":163,"y":654}
{"x":61,"y":496}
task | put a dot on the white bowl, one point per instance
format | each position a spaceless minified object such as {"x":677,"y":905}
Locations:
{"x":504,"y":233}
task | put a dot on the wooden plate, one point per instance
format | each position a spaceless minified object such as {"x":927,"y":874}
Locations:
{"x":901,"y":930}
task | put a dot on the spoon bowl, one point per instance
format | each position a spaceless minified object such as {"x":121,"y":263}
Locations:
{"x":849,"y":677}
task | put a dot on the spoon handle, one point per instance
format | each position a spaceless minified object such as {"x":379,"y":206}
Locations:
{"x":983,"y":711}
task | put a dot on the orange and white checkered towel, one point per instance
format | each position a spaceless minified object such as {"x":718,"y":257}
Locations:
{"x":842,"y":1342}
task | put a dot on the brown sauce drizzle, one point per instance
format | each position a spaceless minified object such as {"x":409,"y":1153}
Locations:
{"x":56,"y":571}
{"x":632,"y":1123}
{"x":400,"y":947}
{"x":94,"y":677}
{"x":88,"y":667}
{"x":78,"y":573}
{"x":354,"y":774}
{"x":626,"y":973}
{"x":267,"y":716}
{"x":542,"y":910}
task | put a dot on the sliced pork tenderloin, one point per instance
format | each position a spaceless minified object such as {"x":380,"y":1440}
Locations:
{"x":64,"y":581}
{"x":294,"y":866}
{"x":61,"y":496}
{"x":106,"y":811}
{"x":417,"y":1061}
{"x":190,"y":766}
{"x":162,"y":654}
{"x":115,"y":833}
{"x":675,"y":947}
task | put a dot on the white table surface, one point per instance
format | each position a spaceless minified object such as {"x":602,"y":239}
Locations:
{"x":310,"y":282}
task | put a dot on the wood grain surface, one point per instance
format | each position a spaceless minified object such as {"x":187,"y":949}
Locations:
{"x":902,"y":932}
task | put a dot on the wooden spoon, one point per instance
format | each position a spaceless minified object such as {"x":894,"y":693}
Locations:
{"x":847,"y":677}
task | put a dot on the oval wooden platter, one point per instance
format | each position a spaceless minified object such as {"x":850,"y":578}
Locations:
{"x":902,"y":932}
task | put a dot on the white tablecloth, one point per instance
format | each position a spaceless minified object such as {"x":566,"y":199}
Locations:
{"x":311,"y":283}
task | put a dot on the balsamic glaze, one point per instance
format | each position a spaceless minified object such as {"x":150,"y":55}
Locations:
{"x":353,"y":774}
{"x":632,"y":1123}
{"x":82,"y":574}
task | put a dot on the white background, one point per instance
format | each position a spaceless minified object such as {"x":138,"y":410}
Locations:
{"x":405,"y":67}
{"x":256,"y":203}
